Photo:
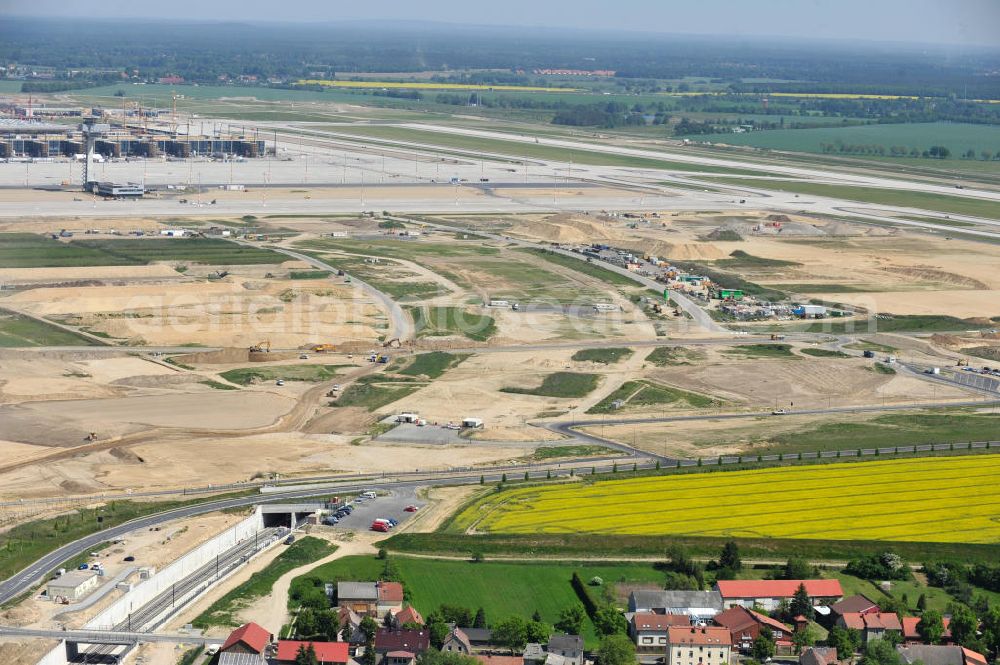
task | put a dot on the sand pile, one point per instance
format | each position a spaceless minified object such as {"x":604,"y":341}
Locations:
{"x":566,"y":228}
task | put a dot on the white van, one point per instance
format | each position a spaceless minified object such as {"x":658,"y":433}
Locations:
{"x":369,"y":495}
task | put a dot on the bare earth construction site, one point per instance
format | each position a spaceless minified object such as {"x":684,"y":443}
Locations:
{"x":370,"y":302}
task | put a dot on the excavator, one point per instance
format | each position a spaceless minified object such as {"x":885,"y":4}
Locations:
{"x":260,"y":347}
{"x":323,"y":348}
{"x":392,"y":343}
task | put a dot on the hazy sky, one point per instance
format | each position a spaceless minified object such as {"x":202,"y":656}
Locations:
{"x":929,"y":21}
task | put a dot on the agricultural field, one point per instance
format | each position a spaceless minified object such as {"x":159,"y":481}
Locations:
{"x":428,"y":85}
{"x":561,"y":384}
{"x":957,"y":137}
{"x":17,"y":331}
{"x":27,"y":250}
{"x":445,"y":321}
{"x":946,"y":499}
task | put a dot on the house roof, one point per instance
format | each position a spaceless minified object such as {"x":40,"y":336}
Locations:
{"x":253,"y":635}
{"x":739,"y":618}
{"x":73,"y":579}
{"x":706,"y":636}
{"x":387,"y":639}
{"x":818,"y":656}
{"x":409,"y":615}
{"x":390,"y":592}
{"x":910,"y":631}
{"x":674,"y":602}
{"x":357,"y":591}
{"x":326,"y":652}
{"x":973,"y":657}
{"x":853,"y":620}
{"x":499,"y":660}
{"x":855,"y":603}
{"x":778,"y":588}
{"x":459,"y":635}
{"x":478,"y":635}
{"x":347,"y":615}
{"x":932,"y":654}
{"x":564,"y":642}
{"x":880,"y":620}
{"x":401,"y":654}
{"x":659,"y":622}
{"x":534,"y":651}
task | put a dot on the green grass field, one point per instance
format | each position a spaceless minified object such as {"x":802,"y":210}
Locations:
{"x":561,"y":384}
{"x":27,"y":250}
{"x":955,"y":205}
{"x":897,"y":323}
{"x":309,"y":274}
{"x":224,"y":611}
{"x":433,"y":364}
{"x":20,"y":331}
{"x":582,"y":265}
{"x":957,"y":137}
{"x":638,"y":394}
{"x":823,"y":353}
{"x":501,"y":589}
{"x":555,"y":452}
{"x":885,"y":431}
{"x":755,"y":351}
{"x":245,"y":376}
{"x":664,"y":356}
{"x":740,"y":260}
{"x":444,"y":321}
{"x":608,"y":355}
{"x":374,"y":392}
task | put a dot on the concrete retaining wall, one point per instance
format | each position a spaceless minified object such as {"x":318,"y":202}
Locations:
{"x":55,"y":657}
{"x":147,"y":590}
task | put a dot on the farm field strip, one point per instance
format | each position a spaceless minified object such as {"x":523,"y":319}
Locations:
{"x":924,"y":500}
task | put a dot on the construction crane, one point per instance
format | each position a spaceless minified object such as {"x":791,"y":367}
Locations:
{"x":173,"y":116}
{"x":259,"y":347}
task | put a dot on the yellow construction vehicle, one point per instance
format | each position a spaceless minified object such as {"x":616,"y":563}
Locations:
{"x":323,"y":348}
{"x":259,"y":347}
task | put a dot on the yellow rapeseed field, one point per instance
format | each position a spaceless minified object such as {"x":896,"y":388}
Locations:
{"x":943,"y":499}
{"x":401,"y":85}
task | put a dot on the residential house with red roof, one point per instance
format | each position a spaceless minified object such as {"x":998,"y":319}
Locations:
{"x":491,"y":659}
{"x":407,"y":616}
{"x":769,"y":594}
{"x":390,"y":598}
{"x":327,"y":653}
{"x":649,"y":630}
{"x":872,"y":626}
{"x":858,"y":603}
{"x":745,"y":625}
{"x":708,"y":645}
{"x":912,"y":636}
{"x":248,"y":638}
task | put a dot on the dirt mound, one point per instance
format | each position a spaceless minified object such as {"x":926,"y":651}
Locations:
{"x":565,"y":228}
{"x":940,"y":339}
{"x":126,"y":456}
{"x":931,"y":274}
{"x":680,"y":251}
{"x":784,"y":219}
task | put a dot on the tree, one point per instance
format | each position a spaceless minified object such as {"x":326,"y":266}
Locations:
{"x":327,"y":624}
{"x":931,"y":627}
{"x":880,"y":652}
{"x":608,"y":620}
{"x":539,"y":632}
{"x":511,"y":632}
{"x":991,"y":631}
{"x":730,"y":557}
{"x":382,"y":553}
{"x":763,"y":645}
{"x":796,"y":568}
{"x":306,"y":656}
{"x":480,"y":620}
{"x":963,"y":623}
{"x":616,"y":649}
{"x":845,"y":640}
{"x":922,"y":603}
{"x":803,"y":638}
{"x":801,"y":604}
{"x":437,"y":630}
{"x":369,"y":628}
{"x":305,"y":623}
{"x":571,"y":620}
{"x":536,"y":616}
{"x":456,"y":614}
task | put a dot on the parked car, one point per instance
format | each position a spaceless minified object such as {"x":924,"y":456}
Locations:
{"x":778,"y":412}
{"x":380,"y":527}
{"x":410,"y":509}
{"x":129,"y":558}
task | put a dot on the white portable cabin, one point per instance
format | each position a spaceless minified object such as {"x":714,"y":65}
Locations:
{"x":472,"y":423}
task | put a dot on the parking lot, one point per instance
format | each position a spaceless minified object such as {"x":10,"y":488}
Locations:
{"x":387,"y":505}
